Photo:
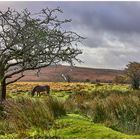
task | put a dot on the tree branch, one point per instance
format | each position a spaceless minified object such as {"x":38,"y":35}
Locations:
{"x":32,"y":42}
{"x":14,"y":80}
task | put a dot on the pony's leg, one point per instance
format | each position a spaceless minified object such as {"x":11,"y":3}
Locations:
{"x":46,"y":92}
{"x":39,"y":94}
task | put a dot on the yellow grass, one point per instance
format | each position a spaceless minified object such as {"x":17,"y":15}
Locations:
{"x":64,"y":86}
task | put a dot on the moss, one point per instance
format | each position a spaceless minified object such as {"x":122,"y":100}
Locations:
{"x":8,"y":136}
{"x":72,"y":126}
{"x":76,"y":126}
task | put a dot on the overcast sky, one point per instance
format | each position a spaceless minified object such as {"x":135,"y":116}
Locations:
{"x":112,"y":29}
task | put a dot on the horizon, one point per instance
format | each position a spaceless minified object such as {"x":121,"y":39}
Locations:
{"x":87,"y":67}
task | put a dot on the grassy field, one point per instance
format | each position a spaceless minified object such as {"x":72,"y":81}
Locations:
{"x":73,"y":110}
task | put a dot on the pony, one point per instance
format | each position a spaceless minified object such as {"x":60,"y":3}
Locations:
{"x":39,"y":89}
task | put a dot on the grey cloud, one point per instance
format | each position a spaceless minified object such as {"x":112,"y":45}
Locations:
{"x":112,"y":29}
{"x":113,"y":16}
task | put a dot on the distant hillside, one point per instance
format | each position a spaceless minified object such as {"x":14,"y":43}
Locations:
{"x":54,"y":74}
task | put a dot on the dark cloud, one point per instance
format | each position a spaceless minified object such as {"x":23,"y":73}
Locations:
{"x":112,"y":29}
{"x":113,"y":16}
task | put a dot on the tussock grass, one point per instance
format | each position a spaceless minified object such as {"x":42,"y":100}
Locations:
{"x":116,"y":106}
{"x":118,"y":110}
{"x":24,"y":113}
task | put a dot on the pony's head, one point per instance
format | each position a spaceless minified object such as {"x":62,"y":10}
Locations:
{"x":33,"y":92}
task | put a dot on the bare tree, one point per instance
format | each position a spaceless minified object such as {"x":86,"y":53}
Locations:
{"x":66,"y":74}
{"x":32,"y":41}
{"x":66,"y":77}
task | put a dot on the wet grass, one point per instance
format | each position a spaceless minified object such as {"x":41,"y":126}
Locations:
{"x":97,"y":111}
{"x":72,"y":126}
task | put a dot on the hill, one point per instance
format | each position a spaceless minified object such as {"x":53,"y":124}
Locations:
{"x":76,"y":74}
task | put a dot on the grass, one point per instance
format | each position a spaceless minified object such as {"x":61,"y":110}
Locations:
{"x":19,"y":87}
{"x":72,"y":126}
{"x":76,"y":126}
{"x":118,"y":110}
{"x":103,"y":105}
{"x":23,"y":113}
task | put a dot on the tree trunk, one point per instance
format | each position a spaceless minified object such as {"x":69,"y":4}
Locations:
{"x":3,"y":90}
{"x":2,"y":83}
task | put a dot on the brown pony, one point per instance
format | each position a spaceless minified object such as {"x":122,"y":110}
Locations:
{"x":39,"y":89}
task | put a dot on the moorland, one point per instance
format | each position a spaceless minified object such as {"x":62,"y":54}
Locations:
{"x":71,"y":110}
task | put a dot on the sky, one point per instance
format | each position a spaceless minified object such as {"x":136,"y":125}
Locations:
{"x":111,"y":29}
